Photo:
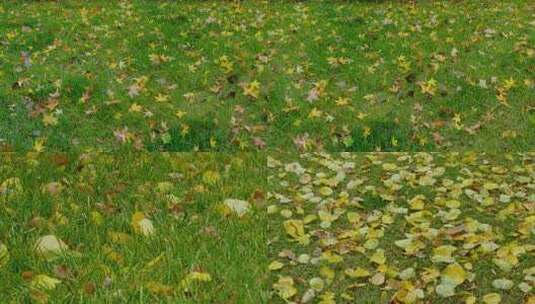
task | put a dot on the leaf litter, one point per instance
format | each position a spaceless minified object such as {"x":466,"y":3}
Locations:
{"x":453,"y":228}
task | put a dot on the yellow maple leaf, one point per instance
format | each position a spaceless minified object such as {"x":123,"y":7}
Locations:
{"x":39,"y":145}
{"x":180,"y":113}
{"x":161,"y":98}
{"x":135,"y":108}
{"x":159,"y":288}
{"x":194,"y":276}
{"x":50,"y":120}
{"x":210,"y":177}
{"x":252,"y":89}
{"x":429,"y":87}
{"x":342,"y":101}
{"x":315,"y":113}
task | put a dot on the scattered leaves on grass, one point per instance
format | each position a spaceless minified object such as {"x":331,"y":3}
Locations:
{"x":106,"y":227}
{"x":318,"y":74}
{"x":401,"y":227}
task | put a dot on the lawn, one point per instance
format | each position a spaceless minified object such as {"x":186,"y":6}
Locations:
{"x":277,"y":75}
{"x":402,"y":228}
{"x":157,"y":151}
{"x":132,"y":228}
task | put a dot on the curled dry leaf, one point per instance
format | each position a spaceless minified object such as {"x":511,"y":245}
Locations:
{"x":192,"y":277}
{"x":378,"y":279}
{"x":50,"y":246}
{"x":44,"y":282}
{"x":503,"y":284}
{"x":238,"y":207}
{"x":4,"y":255}
{"x":142,"y":225}
{"x":296,"y":229}
{"x":275,"y":265}
{"x":285,"y":287}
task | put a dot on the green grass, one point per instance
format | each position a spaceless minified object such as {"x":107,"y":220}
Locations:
{"x":191,"y":232}
{"x":381,"y":202}
{"x":204,"y":136}
{"x":137,"y":92}
{"x":198,"y":57}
